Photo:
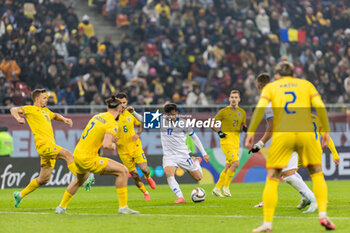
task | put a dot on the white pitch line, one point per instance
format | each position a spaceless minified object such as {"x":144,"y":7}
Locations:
{"x":113,"y":207}
{"x":173,"y":215}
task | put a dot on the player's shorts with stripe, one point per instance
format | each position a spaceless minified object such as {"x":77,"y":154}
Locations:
{"x":48,"y":154}
{"x":130,"y":159}
{"x":90,"y":163}
{"x":185,"y":162}
{"x":231,"y":152}
{"x":284,"y":144}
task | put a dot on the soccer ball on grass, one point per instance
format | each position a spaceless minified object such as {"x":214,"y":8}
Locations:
{"x":198,"y":195}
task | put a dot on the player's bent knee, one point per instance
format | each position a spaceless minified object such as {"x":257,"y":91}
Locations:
{"x":43,"y":180}
{"x":198,"y":178}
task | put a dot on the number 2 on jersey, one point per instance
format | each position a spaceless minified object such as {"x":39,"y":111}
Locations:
{"x":292,"y":93}
{"x":87,"y":132}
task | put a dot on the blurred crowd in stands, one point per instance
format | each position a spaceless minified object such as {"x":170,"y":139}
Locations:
{"x":190,"y":52}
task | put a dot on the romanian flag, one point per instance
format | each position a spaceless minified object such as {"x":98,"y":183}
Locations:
{"x":292,"y":35}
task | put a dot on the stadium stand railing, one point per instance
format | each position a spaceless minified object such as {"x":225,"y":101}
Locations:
{"x":212,"y":108}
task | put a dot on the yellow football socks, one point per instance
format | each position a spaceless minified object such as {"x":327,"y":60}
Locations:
{"x":221,"y":180}
{"x":142,"y":188}
{"x":30,"y":188}
{"x":320,"y":191}
{"x":229,"y":175}
{"x":149,"y":175}
{"x":122,"y":196}
{"x":66,"y":199}
{"x":72,"y":168}
{"x":270,"y":197}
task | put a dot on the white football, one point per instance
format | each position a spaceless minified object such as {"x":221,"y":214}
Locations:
{"x":198,"y":195}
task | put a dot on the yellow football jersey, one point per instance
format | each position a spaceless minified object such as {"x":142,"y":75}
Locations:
{"x":39,"y":121}
{"x":291,"y":104}
{"x":126,"y":130}
{"x":231,"y":122}
{"x":92,"y":137}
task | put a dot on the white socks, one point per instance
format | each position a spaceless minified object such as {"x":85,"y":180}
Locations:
{"x":297,"y":182}
{"x":198,"y":165}
{"x":174,"y":186}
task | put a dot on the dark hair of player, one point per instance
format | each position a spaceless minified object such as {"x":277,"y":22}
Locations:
{"x":121,"y":95}
{"x":170,"y":107}
{"x":36,"y":93}
{"x":235,"y":92}
{"x":263,"y":79}
{"x":284,"y":68}
{"x":112,"y":102}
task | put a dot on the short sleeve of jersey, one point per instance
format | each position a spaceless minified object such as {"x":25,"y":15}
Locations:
{"x":51,"y":114}
{"x":112,"y":128}
{"x":268,"y":112}
{"x":220,"y":115}
{"x":27,"y":109}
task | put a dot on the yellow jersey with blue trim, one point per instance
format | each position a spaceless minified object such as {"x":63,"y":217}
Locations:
{"x":231,"y":123}
{"x":126,"y":130}
{"x":39,"y":121}
{"x":92,"y":137}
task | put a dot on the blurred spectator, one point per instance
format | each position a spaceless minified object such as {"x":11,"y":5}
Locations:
{"x":66,"y":96}
{"x":196,"y":97}
{"x":10,"y":69}
{"x":87,"y":26}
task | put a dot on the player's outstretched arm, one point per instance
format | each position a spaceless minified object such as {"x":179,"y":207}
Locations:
{"x":267,"y":136}
{"x":59,"y":117}
{"x":199,"y":145}
{"x":220,"y":133}
{"x":135,"y":114}
{"x":109,"y":142}
{"x":333,"y":150}
{"x":255,"y":121}
{"x":15,"y":111}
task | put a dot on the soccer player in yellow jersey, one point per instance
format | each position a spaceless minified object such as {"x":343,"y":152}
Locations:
{"x":39,"y":119}
{"x":291,"y":99}
{"x":289,"y":173}
{"x":130,"y":148}
{"x":100,"y":131}
{"x":232,"y":120}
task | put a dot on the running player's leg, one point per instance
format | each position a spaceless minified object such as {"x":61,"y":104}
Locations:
{"x":174,"y":186}
{"x":311,"y":153}
{"x":291,"y":177}
{"x":121,"y":173}
{"x":321,"y":192}
{"x":217,"y":189}
{"x":71,"y":190}
{"x":44,"y":177}
{"x":139,"y":184}
{"x":68,"y":157}
{"x":281,"y":149}
{"x":229,"y":175}
{"x":142,"y":163}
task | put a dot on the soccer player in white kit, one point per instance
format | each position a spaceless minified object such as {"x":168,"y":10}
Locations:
{"x":175,"y":151}
{"x":289,"y":173}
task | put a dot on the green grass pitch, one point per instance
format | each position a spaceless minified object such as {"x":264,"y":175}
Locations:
{"x":96,"y":211}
